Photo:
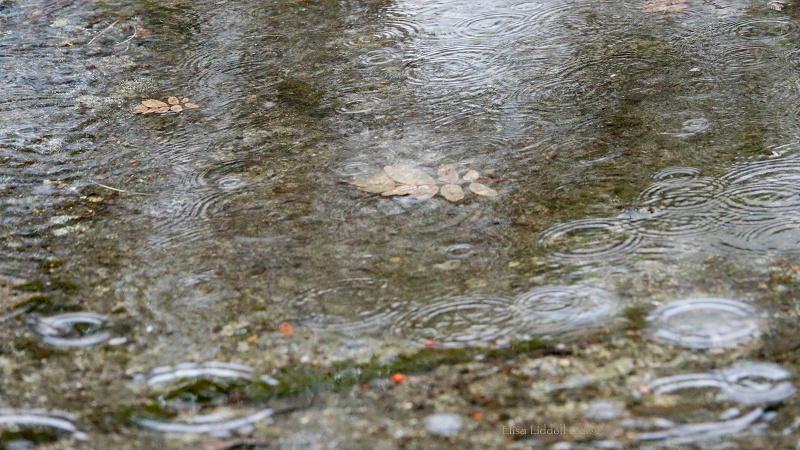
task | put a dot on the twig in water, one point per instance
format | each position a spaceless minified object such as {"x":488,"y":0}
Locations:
{"x":102,"y":32}
{"x":127,"y":40}
{"x":121,"y":190}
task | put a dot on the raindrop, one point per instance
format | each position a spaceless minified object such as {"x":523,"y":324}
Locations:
{"x":693,"y":126}
{"x":230,"y":183}
{"x":553,"y":309}
{"x":682,"y":193}
{"x":705,"y":323}
{"x":176,"y":384}
{"x":459,"y":251}
{"x":354,"y":306}
{"x":676,"y":172}
{"x":591,"y":239}
{"x":460,"y":321}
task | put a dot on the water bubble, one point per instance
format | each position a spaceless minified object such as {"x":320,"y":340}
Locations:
{"x":697,"y":432}
{"x":166,"y":374}
{"x":754,"y":383}
{"x":230,"y":183}
{"x":747,"y":383}
{"x":185,"y":387}
{"x":693,"y":126}
{"x":459,"y":251}
{"x":79,"y":329}
{"x":705,"y":323}
{"x":38,"y":418}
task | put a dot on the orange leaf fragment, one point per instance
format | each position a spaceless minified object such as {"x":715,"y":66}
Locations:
{"x":286,"y":328}
{"x":430,"y":342}
{"x":252,"y":338}
{"x":398,"y":377}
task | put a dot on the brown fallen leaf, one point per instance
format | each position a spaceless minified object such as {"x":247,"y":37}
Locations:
{"x":173,"y":100}
{"x":176,"y":108}
{"x":190,"y":105}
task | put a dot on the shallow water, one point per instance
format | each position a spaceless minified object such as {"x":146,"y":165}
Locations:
{"x":645,"y":226}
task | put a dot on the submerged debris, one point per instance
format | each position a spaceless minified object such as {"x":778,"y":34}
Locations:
{"x":403,"y":179}
{"x":172,"y":104}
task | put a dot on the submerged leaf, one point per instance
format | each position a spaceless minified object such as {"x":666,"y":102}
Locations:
{"x":176,"y":108}
{"x":482,"y":189}
{"x":665,"y":6}
{"x":447,"y":173}
{"x":173,"y":100}
{"x":141,"y":109}
{"x":424,"y":191}
{"x":452,"y":192}
{"x":471,"y":175}
{"x":190,"y":105}
{"x":153,"y":103}
{"x":405,"y":174}
{"x":374,"y":183}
